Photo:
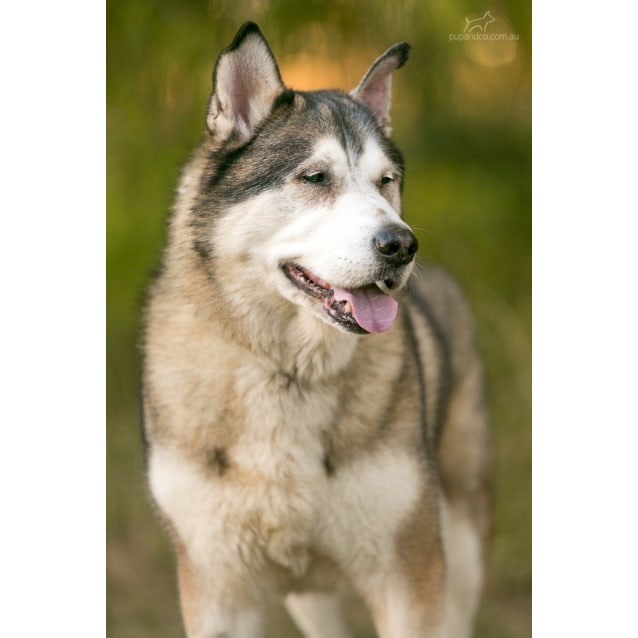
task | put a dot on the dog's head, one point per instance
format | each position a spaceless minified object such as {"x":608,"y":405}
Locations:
{"x":303,"y":189}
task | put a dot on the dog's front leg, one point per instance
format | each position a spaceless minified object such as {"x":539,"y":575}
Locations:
{"x":405,"y":593}
{"x":403,"y":606}
{"x":318,"y":614}
{"x":385,"y":536}
{"x":220,"y":592}
{"x":207,"y":610}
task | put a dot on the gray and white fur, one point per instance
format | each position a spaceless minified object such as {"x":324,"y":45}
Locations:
{"x":313,"y":401}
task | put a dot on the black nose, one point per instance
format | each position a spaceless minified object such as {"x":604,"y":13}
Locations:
{"x":396,"y":245}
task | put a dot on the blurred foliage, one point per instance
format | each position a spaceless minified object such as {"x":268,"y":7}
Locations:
{"x":462,"y":113}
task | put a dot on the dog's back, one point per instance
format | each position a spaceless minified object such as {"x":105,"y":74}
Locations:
{"x":458,"y":425}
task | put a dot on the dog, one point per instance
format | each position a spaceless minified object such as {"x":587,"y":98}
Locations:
{"x":478,"y":23}
{"x":313,"y":401}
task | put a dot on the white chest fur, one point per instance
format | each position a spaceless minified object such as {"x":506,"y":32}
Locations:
{"x":278,"y":504}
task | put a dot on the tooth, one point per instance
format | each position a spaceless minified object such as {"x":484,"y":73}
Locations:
{"x":347,"y":307}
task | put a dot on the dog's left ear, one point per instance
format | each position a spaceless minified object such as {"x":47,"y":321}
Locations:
{"x":375,"y":89}
{"x":246,"y":82}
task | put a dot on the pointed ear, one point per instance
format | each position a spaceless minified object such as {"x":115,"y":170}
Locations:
{"x":246,"y":82}
{"x":375,"y":89}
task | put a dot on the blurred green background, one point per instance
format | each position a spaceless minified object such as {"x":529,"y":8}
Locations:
{"x":461,"y":114}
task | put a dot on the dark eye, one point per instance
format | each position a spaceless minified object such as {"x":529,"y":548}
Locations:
{"x":386,"y":179}
{"x":316,"y":177}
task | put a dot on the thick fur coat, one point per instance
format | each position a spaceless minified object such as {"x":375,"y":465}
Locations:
{"x":313,"y":401}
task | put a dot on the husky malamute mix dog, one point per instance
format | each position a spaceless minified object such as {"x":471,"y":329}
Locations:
{"x":313,"y":407}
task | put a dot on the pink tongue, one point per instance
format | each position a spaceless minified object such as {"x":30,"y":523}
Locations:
{"x":373,"y":310}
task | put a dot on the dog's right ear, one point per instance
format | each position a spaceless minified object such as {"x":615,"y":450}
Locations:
{"x":375,"y":89}
{"x":246,"y":82}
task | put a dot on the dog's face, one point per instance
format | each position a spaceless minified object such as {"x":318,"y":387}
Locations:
{"x":304,"y":189}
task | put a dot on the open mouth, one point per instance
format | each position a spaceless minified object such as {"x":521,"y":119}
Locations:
{"x":361,"y":310}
